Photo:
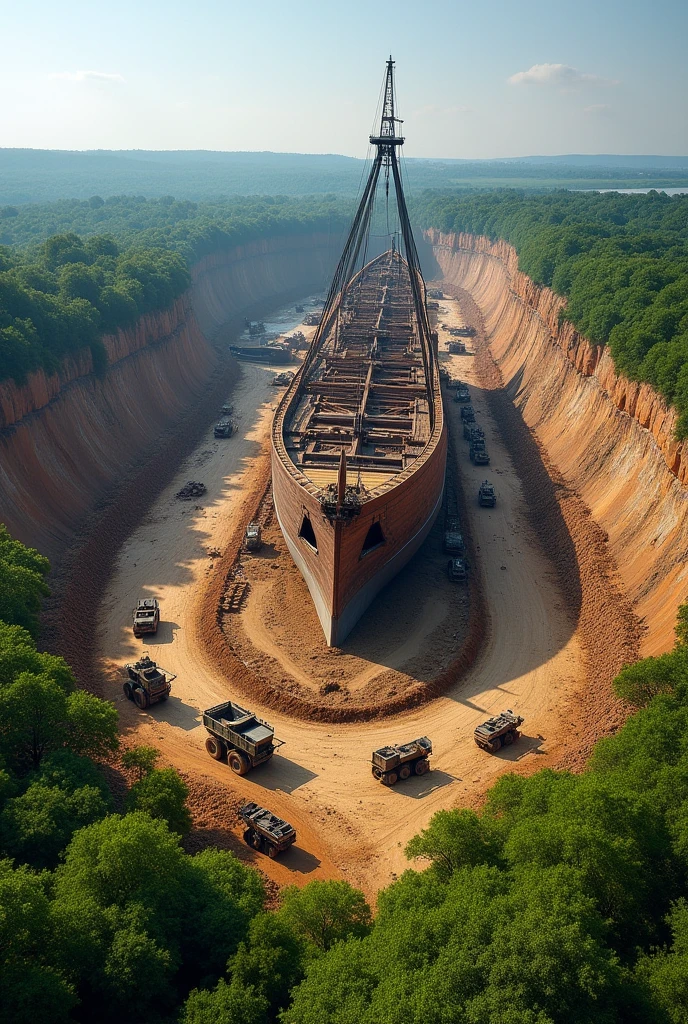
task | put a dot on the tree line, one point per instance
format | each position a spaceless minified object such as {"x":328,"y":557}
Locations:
{"x":621,"y":261}
{"x":59,"y":294}
{"x":564,"y":898}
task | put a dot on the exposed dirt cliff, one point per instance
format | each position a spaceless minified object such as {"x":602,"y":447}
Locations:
{"x":610,"y":438}
{"x":66,"y":439}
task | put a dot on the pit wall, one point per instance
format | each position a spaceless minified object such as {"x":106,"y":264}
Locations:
{"x":611,"y":438}
{"x":66,"y":439}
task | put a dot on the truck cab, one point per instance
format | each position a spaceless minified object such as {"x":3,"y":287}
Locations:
{"x":146,"y":616}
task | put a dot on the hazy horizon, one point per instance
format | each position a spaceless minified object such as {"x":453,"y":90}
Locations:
{"x":494,"y":82}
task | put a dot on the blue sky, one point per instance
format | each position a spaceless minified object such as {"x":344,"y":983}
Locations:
{"x":474,"y":80}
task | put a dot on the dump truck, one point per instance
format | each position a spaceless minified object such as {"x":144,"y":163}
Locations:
{"x":238,"y":735}
{"x":467,"y":414}
{"x":486,"y":495}
{"x":225,"y":428}
{"x":478,"y":453}
{"x":147,"y":684}
{"x":457,"y":348}
{"x":266,"y":832}
{"x":462,"y":395}
{"x":146,"y":616}
{"x":457,"y":570}
{"x":497,"y":732}
{"x":393,"y":763}
{"x":253,"y":540}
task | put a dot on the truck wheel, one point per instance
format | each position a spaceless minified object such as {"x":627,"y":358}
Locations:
{"x":127,"y":691}
{"x":507,"y":739}
{"x":256,"y":842}
{"x":404,"y":772}
{"x":248,"y":836}
{"x":422,"y":766}
{"x":390,"y":779}
{"x":377,"y":774}
{"x":238,"y":762}
{"x":272,"y":851}
{"x":495,"y":744}
{"x":215,"y":747}
{"x":141,"y":698}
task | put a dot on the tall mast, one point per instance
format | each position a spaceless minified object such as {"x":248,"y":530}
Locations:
{"x":387,"y":143}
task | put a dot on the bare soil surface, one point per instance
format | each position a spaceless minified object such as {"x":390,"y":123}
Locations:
{"x":532,"y":658}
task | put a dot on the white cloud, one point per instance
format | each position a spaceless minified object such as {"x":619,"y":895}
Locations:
{"x":87,"y":76}
{"x":597,"y":108}
{"x":557,"y":76}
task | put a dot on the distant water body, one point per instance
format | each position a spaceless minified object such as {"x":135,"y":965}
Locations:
{"x":637,"y":191}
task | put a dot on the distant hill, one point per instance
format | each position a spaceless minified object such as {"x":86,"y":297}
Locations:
{"x":39,"y":175}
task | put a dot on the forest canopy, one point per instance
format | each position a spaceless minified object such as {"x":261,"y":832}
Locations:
{"x":75,"y":271}
{"x":564,"y":898}
{"x":621,"y":261}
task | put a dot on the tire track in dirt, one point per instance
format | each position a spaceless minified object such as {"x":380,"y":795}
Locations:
{"x":609,"y":631}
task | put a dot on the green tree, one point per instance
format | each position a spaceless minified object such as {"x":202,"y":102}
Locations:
{"x":37,"y":826}
{"x":33,"y":990}
{"x":142,"y":760}
{"x":454,"y":839}
{"x":22,"y":583}
{"x":666,"y":970}
{"x":323,"y":913}
{"x":228,"y":1002}
{"x":162,"y":793}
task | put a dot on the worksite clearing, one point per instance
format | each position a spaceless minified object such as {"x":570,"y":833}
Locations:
{"x":531,"y":658}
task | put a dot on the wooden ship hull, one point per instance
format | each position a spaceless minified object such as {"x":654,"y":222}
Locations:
{"x":359,"y":439}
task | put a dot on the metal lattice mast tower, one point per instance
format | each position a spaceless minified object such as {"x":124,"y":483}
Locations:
{"x":387,"y":144}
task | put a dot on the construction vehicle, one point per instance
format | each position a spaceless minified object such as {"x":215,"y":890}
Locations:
{"x":497,"y":732}
{"x":255,"y":329}
{"x":266,"y":832}
{"x":147,"y":684}
{"x":478,"y":452}
{"x":227,"y":409}
{"x":467,"y":414}
{"x":225,"y":428}
{"x":457,"y":570}
{"x":282,"y":379}
{"x":435,"y":293}
{"x":462,"y":395}
{"x":486,"y":495}
{"x":472,"y":432}
{"x":457,"y":348}
{"x":191,"y":489}
{"x":461,"y":332}
{"x":393,"y":763}
{"x":238,"y":735}
{"x":146,"y":616}
{"x":253,"y":540}
{"x":453,"y":541}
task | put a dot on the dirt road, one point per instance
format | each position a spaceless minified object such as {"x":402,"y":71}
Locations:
{"x":321,"y":780}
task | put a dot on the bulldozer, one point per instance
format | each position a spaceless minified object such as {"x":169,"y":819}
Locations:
{"x":147,"y":684}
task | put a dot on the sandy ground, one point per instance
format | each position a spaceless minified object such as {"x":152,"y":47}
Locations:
{"x":348,"y":824}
